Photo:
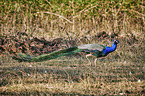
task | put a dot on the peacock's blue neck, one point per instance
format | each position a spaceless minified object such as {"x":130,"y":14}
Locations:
{"x":107,"y":49}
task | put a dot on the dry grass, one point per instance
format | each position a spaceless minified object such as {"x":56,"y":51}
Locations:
{"x":83,"y":88}
{"x":64,"y":76}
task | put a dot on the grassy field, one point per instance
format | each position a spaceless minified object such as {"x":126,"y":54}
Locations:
{"x":120,"y":73}
{"x":73,"y":76}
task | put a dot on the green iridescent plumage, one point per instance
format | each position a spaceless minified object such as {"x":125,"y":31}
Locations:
{"x":53,"y":55}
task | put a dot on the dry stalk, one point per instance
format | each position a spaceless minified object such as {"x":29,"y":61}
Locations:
{"x":58,"y":16}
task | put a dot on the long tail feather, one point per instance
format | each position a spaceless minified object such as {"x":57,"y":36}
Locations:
{"x":52,"y":55}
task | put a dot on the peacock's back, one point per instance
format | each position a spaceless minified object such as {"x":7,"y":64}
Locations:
{"x":92,"y":47}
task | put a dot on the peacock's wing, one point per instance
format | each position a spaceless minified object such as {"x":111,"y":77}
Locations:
{"x":91,"y":47}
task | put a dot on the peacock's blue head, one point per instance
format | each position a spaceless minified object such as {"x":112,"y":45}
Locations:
{"x":116,"y":41}
{"x":107,"y":49}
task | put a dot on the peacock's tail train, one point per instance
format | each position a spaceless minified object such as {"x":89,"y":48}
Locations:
{"x":53,"y":55}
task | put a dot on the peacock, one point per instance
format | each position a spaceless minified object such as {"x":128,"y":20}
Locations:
{"x":97,"y":50}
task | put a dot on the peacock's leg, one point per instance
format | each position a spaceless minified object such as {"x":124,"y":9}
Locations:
{"x":88,"y":58}
{"x":95,"y":61}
